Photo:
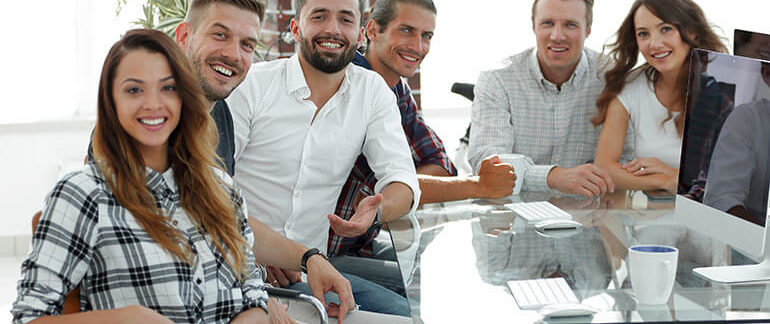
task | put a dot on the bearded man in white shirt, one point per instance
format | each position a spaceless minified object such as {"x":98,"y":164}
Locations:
{"x":300,"y":123}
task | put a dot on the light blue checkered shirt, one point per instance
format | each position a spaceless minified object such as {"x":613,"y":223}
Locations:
{"x":516,"y":110}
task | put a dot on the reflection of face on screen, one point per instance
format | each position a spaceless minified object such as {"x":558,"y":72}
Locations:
{"x":738,"y":173}
{"x":753,"y":45}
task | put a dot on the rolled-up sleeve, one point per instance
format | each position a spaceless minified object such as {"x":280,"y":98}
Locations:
{"x":253,"y":292}
{"x":61,"y":251}
{"x":385,"y":146}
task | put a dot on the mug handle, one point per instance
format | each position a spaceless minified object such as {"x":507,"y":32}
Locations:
{"x":665,"y":268}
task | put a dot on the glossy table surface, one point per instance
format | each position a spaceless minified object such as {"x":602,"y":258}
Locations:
{"x":457,"y":263}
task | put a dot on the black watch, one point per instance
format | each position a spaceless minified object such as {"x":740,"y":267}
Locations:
{"x":307,"y":255}
{"x":377,"y":222}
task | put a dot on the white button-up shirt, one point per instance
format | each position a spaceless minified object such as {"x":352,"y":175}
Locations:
{"x":290,"y":167}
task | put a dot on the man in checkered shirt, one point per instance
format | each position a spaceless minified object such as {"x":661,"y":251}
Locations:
{"x":541,"y":102}
{"x":399,"y":34}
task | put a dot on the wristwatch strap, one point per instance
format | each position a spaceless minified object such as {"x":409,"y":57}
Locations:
{"x":309,"y":253}
{"x":377,"y":222}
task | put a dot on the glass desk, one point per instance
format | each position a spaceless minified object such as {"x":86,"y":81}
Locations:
{"x":456,"y":264}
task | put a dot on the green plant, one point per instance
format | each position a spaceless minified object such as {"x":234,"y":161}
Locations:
{"x":163,"y":15}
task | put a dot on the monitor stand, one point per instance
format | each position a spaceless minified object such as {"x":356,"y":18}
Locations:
{"x":741,"y":273}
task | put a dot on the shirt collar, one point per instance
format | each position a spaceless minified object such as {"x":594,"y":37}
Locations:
{"x":160,"y":182}
{"x":295,"y":79}
{"x":361,"y":61}
{"x":577,"y":76}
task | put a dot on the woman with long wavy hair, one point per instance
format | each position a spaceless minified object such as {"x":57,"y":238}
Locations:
{"x":650,"y":98}
{"x":151,"y":230}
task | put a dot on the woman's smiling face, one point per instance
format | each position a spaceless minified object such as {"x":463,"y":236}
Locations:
{"x":146,"y":100}
{"x":659,"y":42}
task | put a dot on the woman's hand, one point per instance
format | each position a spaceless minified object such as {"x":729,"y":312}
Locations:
{"x":647,"y":166}
{"x":276,"y":310}
{"x":278,"y":313}
{"x":672,"y":183}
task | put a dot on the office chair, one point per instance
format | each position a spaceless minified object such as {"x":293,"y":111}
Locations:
{"x":461,"y":158}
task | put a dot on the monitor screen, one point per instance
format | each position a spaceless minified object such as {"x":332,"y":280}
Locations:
{"x":725,"y":161}
{"x":751,"y":44}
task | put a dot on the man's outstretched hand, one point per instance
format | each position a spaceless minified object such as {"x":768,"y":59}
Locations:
{"x":365,"y":214}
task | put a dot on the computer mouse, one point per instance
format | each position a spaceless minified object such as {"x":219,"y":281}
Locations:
{"x":567,"y":310}
{"x":557,"y":224}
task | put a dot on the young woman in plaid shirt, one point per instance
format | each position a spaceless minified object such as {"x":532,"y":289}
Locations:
{"x":152,"y":230}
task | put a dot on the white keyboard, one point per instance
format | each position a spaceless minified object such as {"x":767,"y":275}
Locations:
{"x":538,"y":211}
{"x":536,"y":293}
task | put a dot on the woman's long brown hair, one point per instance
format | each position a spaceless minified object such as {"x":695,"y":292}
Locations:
{"x":688,"y":19}
{"x":191,"y":153}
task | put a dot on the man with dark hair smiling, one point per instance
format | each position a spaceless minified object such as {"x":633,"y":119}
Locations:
{"x":219,"y":38}
{"x":301,"y":122}
{"x":399,"y":34}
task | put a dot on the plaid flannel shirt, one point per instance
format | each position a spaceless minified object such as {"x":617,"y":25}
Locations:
{"x":86,"y":237}
{"x":426,"y":148}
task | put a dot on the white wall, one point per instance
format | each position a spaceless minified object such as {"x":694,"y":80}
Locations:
{"x":33,"y":157}
{"x":56,"y":48}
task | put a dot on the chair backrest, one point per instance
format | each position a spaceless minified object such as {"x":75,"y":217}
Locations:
{"x":463,"y":89}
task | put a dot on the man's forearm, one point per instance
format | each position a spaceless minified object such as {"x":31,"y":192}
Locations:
{"x":433,"y":169}
{"x":271,"y":248}
{"x":440,"y":189}
{"x":397,"y":201}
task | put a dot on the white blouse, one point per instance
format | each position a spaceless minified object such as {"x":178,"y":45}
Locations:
{"x":651,"y":139}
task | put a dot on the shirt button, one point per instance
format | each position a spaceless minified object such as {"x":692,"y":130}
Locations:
{"x":175,"y":222}
{"x":198,"y":281}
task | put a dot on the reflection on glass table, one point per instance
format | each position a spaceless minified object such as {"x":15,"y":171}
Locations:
{"x":456,"y":259}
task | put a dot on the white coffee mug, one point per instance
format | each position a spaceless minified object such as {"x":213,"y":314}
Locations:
{"x":520,"y":165}
{"x":653,"y":269}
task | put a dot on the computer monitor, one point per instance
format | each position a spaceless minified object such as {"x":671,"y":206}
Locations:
{"x":751,"y":44}
{"x":725,"y":163}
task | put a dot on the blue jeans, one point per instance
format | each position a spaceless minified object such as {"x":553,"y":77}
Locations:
{"x":369,"y":296}
{"x":381,"y":269}
{"x":382,"y":272}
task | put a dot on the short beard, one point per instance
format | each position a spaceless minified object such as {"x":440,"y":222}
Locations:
{"x":324,"y":63}
{"x":209,"y":91}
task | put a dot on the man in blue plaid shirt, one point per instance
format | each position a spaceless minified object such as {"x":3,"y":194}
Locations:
{"x":399,"y":34}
